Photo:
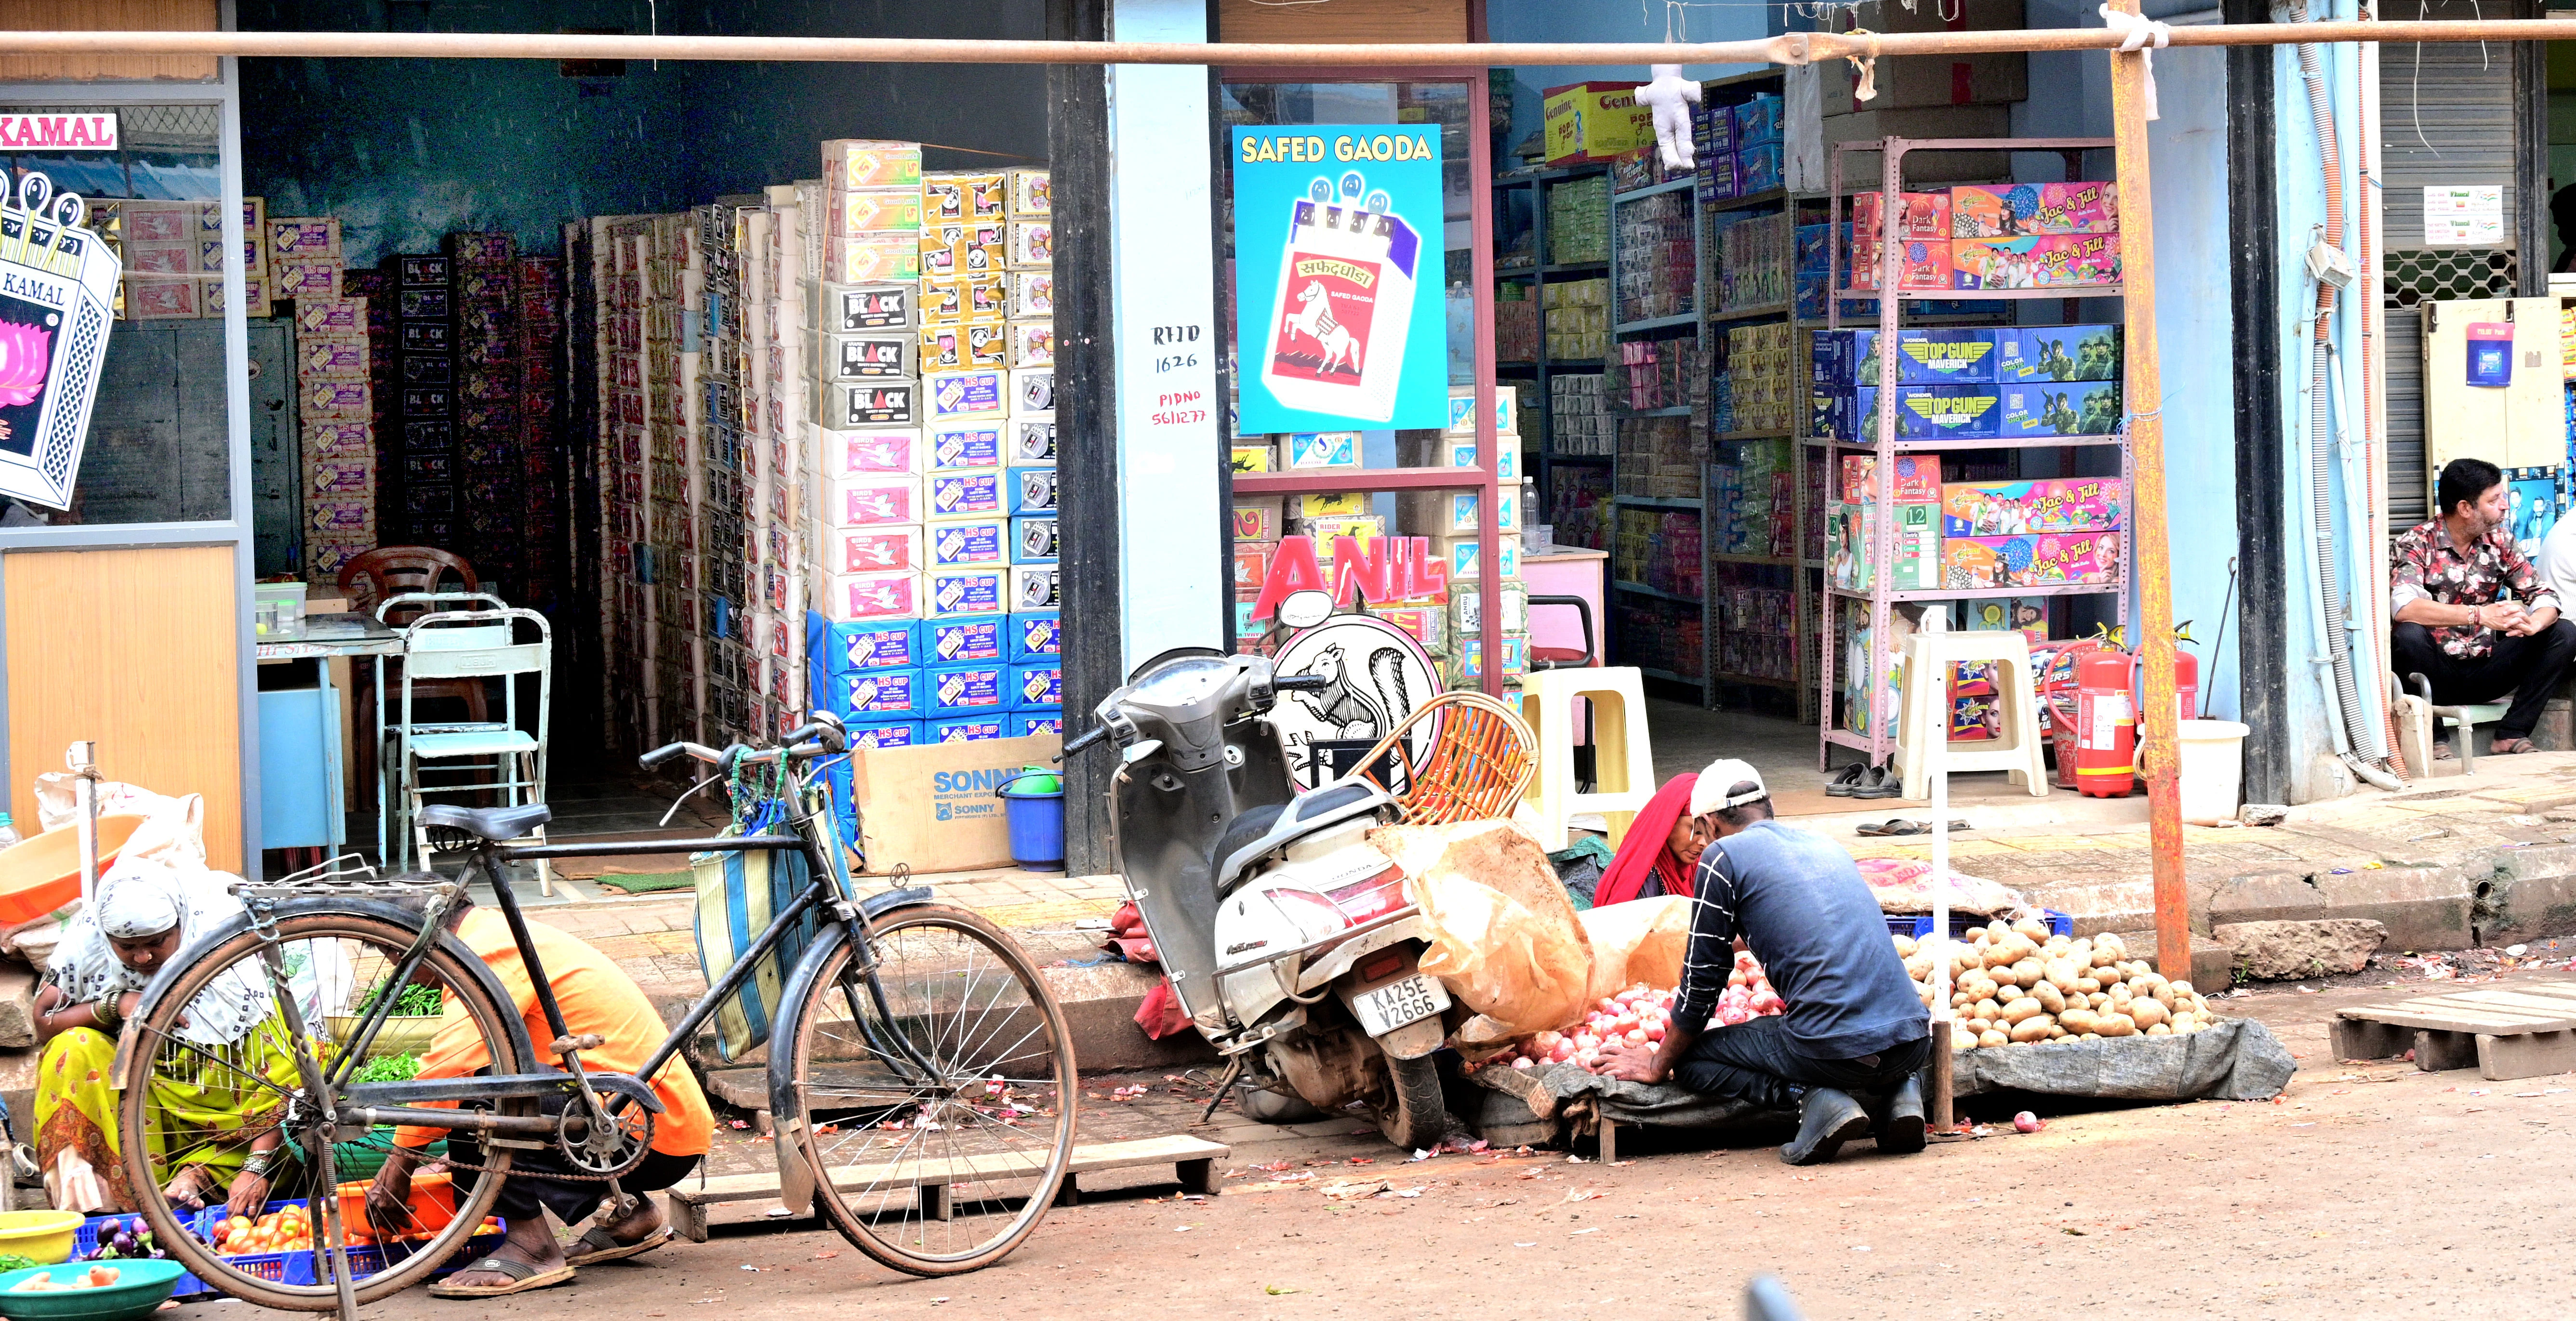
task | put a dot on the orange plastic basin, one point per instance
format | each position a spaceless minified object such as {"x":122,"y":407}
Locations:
{"x":43,"y":874}
{"x":433,"y":1205}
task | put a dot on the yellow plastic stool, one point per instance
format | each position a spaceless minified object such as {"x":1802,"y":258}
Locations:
{"x":1623,"y":754}
{"x":1924,"y":718}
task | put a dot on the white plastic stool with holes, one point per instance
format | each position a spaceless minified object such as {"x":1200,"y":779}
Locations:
{"x":1623,"y":754}
{"x":1924,"y":719}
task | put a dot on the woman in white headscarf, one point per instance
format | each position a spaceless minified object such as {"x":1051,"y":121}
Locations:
{"x":216,"y":1090}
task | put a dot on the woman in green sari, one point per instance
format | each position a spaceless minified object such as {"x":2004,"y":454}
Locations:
{"x":217,"y":1089}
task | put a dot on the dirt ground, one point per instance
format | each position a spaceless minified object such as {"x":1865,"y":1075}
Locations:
{"x":2366,"y":1191}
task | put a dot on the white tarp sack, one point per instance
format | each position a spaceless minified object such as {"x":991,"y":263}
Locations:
{"x":173,"y":834}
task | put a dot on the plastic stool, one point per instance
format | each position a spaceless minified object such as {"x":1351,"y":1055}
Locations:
{"x":1924,"y":718}
{"x":1624,"y":757}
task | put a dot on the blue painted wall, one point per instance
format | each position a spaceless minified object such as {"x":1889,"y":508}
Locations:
{"x":404,"y":151}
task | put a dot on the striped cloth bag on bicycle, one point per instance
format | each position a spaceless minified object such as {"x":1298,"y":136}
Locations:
{"x":739,"y":893}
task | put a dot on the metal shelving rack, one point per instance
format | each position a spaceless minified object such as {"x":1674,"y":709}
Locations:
{"x":1543,"y":369}
{"x":1891,"y":298}
{"x":1650,"y":326}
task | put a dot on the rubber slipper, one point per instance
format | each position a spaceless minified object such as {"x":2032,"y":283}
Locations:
{"x":523,"y":1278}
{"x":1889,"y":827}
{"x":1845,"y":781}
{"x":2442,"y":752}
{"x":598,"y":1246}
{"x":2512,"y":747}
{"x":1877,"y":783}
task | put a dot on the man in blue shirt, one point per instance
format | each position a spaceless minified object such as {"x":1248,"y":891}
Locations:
{"x":1853,"y":1023}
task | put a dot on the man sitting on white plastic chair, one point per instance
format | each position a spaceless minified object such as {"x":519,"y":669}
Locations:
{"x":2470,"y":613}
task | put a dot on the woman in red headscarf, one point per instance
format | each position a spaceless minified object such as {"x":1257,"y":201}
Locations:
{"x":1661,"y":851}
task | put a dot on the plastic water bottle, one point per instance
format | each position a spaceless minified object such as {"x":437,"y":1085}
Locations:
{"x":9,"y":837}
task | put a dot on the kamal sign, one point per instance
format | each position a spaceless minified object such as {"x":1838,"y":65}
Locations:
{"x":81,"y":131}
{"x":57,"y":292}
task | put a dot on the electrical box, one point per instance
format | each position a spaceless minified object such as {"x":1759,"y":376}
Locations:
{"x":2521,"y":424}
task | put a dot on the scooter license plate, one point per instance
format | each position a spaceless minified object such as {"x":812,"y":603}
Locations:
{"x":1404,"y":1000}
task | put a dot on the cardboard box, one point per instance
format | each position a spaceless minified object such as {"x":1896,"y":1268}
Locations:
{"x":865,"y":355}
{"x":1032,"y":443}
{"x":1035,"y":539}
{"x":2041,"y":262}
{"x":875,"y":734}
{"x":2015,"y":210}
{"x":1595,"y":121}
{"x":1027,"y":193}
{"x":1035,"y":587}
{"x":843,"y":308}
{"x":854,"y":211}
{"x":1029,"y":293}
{"x":873,"y":500}
{"x":863,"y":163}
{"x":2051,"y":559}
{"x":2069,"y":408}
{"x":967,"y":638}
{"x":1462,"y":558}
{"x":882,"y":549}
{"x":1252,"y":458}
{"x":952,"y":593}
{"x":968,"y":394}
{"x":1030,"y":344}
{"x":1038,"y":686}
{"x":867,"y":405}
{"x":1923,"y":412}
{"x":1754,"y":122}
{"x":2025,"y":354}
{"x":1316,"y":451}
{"x":843,"y":648}
{"x":1033,"y":392}
{"x":1022,"y":724}
{"x":1032,"y":490}
{"x":319,"y":316}
{"x":2052,"y":504}
{"x":972,"y":494}
{"x":970,"y":542}
{"x":868,"y":258}
{"x":1759,"y":168}
{"x":932,"y":807}
{"x":1252,"y":567}
{"x":1922,"y":264}
{"x":1462,"y":413}
{"x":1918,"y":479}
{"x":1032,"y":244}
{"x":351,"y":399}
{"x":873,"y":694}
{"x":1918,"y":216}
{"x":964,"y":445}
{"x":1926,"y":356}
{"x":1454,"y":513}
{"x":300,"y":278}
{"x":969,"y":689}
{"x":331,"y":357}
{"x":1917,"y":546}
{"x":891,"y":451}
{"x":1036,"y":635}
{"x":301,"y":237}
{"x":1259,"y":520}
{"x":850,"y":598}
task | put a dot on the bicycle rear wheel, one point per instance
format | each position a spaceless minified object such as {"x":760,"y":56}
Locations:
{"x":936,"y":1107}
{"x":189,"y":1101}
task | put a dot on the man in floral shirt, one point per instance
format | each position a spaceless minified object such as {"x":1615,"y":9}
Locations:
{"x":2470,"y":613}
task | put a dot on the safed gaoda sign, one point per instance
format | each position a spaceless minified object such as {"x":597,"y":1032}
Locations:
{"x":1338,"y":264}
{"x":57,"y":286}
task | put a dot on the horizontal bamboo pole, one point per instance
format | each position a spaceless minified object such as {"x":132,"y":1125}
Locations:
{"x":1793,"y":48}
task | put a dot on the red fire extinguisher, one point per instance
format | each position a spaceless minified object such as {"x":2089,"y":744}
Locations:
{"x":2106,"y":726}
{"x":2186,"y":697}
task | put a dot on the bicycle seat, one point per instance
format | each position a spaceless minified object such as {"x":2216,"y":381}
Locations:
{"x":496,"y":824}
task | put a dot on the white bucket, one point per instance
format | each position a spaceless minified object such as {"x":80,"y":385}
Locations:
{"x":2213,"y":769}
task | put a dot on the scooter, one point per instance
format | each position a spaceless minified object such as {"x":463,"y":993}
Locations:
{"x":1290,"y":942}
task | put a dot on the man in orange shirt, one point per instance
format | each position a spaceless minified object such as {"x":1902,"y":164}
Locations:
{"x":596,"y":996}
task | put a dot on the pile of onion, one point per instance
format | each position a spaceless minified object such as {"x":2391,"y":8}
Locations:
{"x":1641,"y":1015}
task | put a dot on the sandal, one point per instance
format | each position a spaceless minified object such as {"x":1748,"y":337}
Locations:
{"x":1900,"y":826}
{"x":1875,"y":782}
{"x":1844,"y":781}
{"x":2442,"y":752}
{"x":598,"y":1246}
{"x":2511,"y":747}
{"x":523,"y":1278}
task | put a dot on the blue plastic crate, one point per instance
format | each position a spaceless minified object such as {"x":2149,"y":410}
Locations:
{"x":85,"y":1242}
{"x":297,"y":1267}
{"x":2059,"y":924}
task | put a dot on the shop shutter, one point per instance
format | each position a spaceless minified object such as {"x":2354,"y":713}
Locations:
{"x":2447,"y":116}
{"x":2406,"y":484}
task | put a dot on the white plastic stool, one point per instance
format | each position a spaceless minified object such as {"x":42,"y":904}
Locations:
{"x":1623,"y":755}
{"x":1924,"y":719}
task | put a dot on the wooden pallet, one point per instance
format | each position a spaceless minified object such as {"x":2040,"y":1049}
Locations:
{"x":2523,"y":1030}
{"x":1193,"y":1160}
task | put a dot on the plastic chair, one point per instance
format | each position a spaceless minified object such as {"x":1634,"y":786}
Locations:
{"x":1562,"y":658}
{"x":1923,"y":720}
{"x":2464,"y":719}
{"x":474,"y":645}
{"x":1623,"y":752}
{"x":1477,"y":767}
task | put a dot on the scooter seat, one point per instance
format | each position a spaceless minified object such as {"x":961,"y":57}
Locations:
{"x":1264,"y":829}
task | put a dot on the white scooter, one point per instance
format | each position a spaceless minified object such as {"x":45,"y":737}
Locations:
{"x":1290,"y":942}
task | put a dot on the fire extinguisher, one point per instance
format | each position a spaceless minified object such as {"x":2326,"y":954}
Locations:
{"x":2106,"y":725}
{"x":2186,"y":694}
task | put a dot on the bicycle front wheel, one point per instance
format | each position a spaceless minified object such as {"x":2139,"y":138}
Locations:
{"x":934,"y":1092}
{"x":215,"y":1067}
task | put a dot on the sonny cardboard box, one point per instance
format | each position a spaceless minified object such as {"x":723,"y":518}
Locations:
{"x":932,"y":806}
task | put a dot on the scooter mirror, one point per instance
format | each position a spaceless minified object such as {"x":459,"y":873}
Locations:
{"x":1306,"y":609}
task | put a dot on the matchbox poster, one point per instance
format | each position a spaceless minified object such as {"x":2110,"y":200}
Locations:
{"x":57,"y":285}
{"x":1338,"y":261}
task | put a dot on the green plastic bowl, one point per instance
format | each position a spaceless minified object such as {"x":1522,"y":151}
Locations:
{"x":141,"y":1286}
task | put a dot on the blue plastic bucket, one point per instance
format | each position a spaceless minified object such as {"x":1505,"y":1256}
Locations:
{"x":1037,"y":822}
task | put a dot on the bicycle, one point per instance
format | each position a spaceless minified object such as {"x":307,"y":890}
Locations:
{"x":921,"y":1075}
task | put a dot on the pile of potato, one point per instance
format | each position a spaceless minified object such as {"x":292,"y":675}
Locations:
{"x":2020,"y":985}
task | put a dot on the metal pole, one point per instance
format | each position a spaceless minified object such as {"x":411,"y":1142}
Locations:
{"x":2148,"y":550}
{"x":82,"y":759}
{"x":1792,"y":48}
{"x":1943,"y":1022}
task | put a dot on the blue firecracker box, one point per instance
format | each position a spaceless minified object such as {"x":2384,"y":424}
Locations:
{"x":1757,"y":120}
{"x":968,"y":729}
{"x":1037,"y":635}
{"x":841,"y":648}
{"x":2056,"y":353}
{"x":2059,"y":408}
{"x":872,"y":694}
{"x":965,"y":690}
{"x":969,"y":542}
{"x":952,"y":641}
{"x":885,"y":734}
{"x":968,"y":591}
{"x":965,"y":494}
{"x":1923,"y":412}
{"x":1033,"y":539}
{"x":1758,"y":167}
{"x":1032,"y":490}
{"x":1038,"y":687}
{"x":1026,"y":723}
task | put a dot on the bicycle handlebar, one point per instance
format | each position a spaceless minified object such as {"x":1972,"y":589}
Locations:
{"x":816,"y":740}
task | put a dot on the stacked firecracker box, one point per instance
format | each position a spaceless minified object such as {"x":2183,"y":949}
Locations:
{"x":483,"y":296}
{"x":334,"y":391}
{"x":425,"y":407}
{"x":544,"y":476}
